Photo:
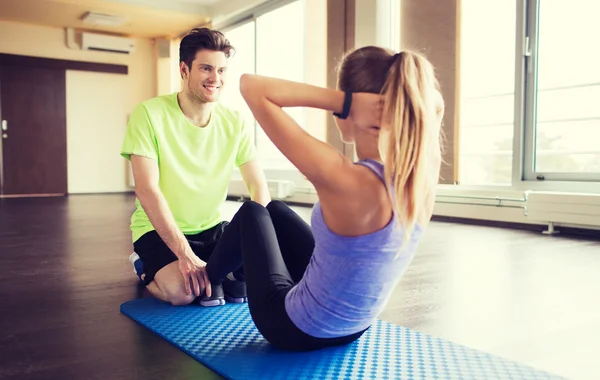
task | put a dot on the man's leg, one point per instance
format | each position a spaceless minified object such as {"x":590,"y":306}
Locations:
{"x":203,"y":244}
{"x":161,"y":269}
{"x":168,"y":286}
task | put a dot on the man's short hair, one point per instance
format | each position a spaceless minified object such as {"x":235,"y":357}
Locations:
{"x":203,"y":38}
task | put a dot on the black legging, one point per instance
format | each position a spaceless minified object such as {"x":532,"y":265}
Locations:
{"x":274,"y":246}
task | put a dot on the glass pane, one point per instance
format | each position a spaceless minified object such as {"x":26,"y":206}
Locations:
{"x":491,"y":169}
{"x":280,"y":54}
{"x":568,"y":147}
{"x":569,"y":103}
{"x":568,"y":117}
{"x":567,"y":43}
{"x":487,"y":75}
{"x":486,"y":155}
{"x":242,"y":39}
{"x":492,"y":110}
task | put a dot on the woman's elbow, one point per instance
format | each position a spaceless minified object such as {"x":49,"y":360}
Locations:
{"x":246,"y":84}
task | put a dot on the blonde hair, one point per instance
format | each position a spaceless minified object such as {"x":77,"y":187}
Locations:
{"x":407,"y":82}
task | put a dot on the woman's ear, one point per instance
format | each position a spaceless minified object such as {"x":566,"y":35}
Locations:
{"x":374,"y":131}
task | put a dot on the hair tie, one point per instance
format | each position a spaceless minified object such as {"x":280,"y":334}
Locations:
{"x":395,"y":57}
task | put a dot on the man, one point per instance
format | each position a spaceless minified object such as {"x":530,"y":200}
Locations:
{"x":183,"y":148}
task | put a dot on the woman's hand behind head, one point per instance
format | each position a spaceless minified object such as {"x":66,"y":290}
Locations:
{"x":366,"y":110}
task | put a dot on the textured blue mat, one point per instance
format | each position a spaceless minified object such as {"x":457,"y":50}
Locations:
{"x":225,"y":340}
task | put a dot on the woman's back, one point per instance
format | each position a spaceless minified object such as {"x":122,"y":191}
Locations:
{"x":349,"y":278}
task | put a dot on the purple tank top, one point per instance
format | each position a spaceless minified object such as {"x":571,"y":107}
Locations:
{"x":349,"y":279}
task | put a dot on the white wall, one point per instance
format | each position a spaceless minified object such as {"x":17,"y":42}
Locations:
{"x":365,"y":23}
{"x":168,"y":79}
{"x":95,"y":131}
{"x":97,"y":104}
{"x":377,"y":22}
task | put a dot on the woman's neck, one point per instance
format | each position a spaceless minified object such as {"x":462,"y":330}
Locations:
{"x":368,"y":149}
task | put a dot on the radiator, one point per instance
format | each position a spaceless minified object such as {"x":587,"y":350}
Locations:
{"x":278,"y":189}
{"x":563,"y":208}
{"x":581,"y":210}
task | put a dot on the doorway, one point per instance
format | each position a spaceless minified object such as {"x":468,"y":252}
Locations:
{"x":33,"y":130}
{"x":34,"y":154}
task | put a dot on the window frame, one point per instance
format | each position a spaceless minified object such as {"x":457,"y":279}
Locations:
{"x":529,"y":51}
{"x":523,"y":176}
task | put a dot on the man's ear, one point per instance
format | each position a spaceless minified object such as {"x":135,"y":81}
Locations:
{"x":183,"y":69}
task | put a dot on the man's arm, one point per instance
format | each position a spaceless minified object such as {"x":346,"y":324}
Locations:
{"x":145,"y":174}
{"x":255,"y":181}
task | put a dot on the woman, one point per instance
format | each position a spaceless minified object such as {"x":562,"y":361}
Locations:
{"x":309,"y":289}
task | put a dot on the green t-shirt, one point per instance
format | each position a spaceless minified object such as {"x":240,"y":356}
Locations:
{"x":195,"y":164}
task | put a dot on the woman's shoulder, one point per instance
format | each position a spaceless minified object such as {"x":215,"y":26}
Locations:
{"x":363,"y":207}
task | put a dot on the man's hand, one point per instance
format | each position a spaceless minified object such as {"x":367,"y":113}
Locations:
{"x":194,"y":274}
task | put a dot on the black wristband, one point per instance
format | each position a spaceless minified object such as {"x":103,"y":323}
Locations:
{"x":347,"y":104}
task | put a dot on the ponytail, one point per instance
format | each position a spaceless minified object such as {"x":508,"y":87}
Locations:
{"x":404,"y":137}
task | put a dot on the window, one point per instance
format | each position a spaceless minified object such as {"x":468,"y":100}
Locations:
{"x":542,"y":83}
{"x":563,"y":91}
{"x":280,"y":53}
{"x":272,"y":43}
{"x":487,"y":92}
{"x":242,"y":39}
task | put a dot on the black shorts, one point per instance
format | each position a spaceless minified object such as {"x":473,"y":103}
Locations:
{"x":155,"y":254}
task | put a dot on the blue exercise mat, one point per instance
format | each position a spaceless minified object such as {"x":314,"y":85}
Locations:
{"x":225,"y":340}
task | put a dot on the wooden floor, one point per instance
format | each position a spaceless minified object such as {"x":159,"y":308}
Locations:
{"x":64,"y":272}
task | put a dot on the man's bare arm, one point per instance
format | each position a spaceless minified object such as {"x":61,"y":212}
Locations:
{"x":255,"y":181}
{"x":146,"y":175}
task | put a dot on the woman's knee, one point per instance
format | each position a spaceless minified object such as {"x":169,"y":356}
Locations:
{"x":252,"y":208}
{"x":277,"y":206}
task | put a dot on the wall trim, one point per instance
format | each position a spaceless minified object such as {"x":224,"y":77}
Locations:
{"x":61,"y":64}
{"x":567,"y":231}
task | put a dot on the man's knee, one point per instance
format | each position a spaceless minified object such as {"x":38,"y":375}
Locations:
{"x":181,"y":299}
{"x":169,"y":286}
{"x":177,"y":297}
{"x":175,"y":293}
{"x":172,"y":294}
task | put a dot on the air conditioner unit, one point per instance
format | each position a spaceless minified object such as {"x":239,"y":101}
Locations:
{"x":103,"y":42}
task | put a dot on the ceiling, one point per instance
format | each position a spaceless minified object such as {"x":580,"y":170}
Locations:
{"x":144,"y":18}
